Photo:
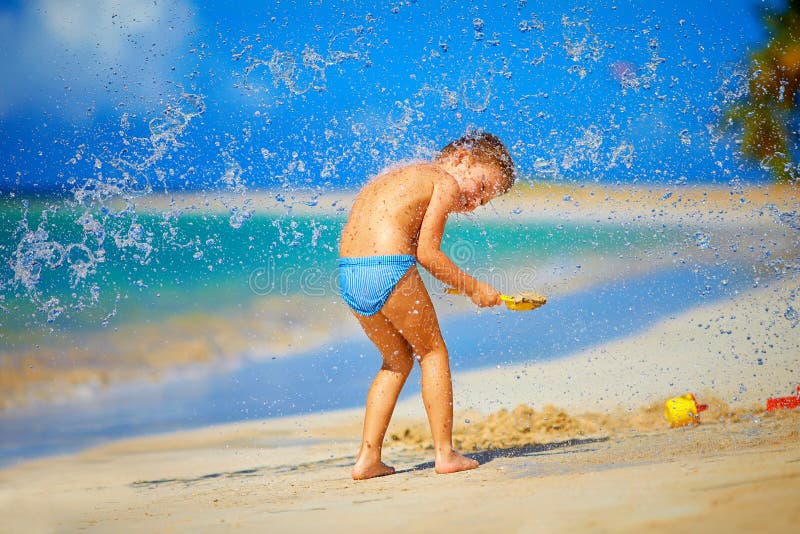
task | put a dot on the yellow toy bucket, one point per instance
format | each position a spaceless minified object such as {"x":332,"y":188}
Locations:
{"x":682,"y":411}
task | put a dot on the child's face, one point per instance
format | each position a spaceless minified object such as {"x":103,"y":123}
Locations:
{"x":480,"y":184}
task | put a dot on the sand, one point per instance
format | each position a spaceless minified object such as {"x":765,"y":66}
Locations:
{"x":578,"y":444}
{"x":292,"y":476}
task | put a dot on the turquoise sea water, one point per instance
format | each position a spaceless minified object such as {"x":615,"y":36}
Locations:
{"x":74,"y":270}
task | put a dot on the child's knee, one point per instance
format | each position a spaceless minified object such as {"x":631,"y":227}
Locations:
{"x":435,"y":351}
{"x":400,"y":362}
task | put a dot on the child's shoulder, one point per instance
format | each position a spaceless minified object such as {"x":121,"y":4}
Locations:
{"x":419,"y":170}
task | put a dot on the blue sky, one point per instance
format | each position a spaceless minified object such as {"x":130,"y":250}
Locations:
{"x":190,"y":95}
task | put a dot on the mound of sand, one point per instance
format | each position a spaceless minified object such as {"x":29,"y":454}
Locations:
{"x":525,"y":426}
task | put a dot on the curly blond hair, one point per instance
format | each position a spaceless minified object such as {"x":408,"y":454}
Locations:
{"x":487,"y":149}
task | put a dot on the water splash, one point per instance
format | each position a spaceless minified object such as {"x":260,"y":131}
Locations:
{"x":584,"y":148}
{"x":233,"y":195}
{"x":622,"y":153}
{"x":476,"y":93}
{"x":632,"y":77}
{"x":581,"y":44}
{"x":319,"y":115}
{"x":477,"y":27}
{"x":303,"y":71}
{"x":102,"y":211}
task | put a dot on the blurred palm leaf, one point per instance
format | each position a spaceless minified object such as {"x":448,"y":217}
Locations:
{"x":774,"y":75}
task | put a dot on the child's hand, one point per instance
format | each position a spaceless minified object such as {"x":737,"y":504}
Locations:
{"x":485,"y":295}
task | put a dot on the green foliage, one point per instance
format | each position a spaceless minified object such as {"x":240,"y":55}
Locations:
{"x":774,"y":80}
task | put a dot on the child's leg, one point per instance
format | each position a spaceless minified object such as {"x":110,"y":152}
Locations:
{"x":411,"y":312}
{"x":382,"y":396}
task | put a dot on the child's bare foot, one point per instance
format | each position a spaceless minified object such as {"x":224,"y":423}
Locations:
{"x":454,"y":462}
{"x":364,"y":471}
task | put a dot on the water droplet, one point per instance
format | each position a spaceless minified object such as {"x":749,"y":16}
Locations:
{"x":792,"y":316}
{"x":701,"y":240}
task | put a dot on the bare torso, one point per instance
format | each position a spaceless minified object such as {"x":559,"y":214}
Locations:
{"x":388,"y":212}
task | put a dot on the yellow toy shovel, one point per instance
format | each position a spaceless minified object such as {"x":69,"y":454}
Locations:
{"x":522,"y":301}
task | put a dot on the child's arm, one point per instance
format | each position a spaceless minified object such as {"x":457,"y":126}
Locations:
{"x":429,"y":254}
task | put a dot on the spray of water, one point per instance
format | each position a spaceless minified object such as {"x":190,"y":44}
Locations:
{"x":321,"y":114}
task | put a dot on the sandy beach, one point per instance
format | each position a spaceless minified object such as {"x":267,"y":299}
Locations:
{"x":604,"y":460}
{"x":292,"y":477}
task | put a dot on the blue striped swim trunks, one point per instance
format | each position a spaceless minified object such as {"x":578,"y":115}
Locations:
{"x":366,"y":283}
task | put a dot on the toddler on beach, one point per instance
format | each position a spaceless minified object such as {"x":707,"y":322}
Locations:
{"x":397,"y":221}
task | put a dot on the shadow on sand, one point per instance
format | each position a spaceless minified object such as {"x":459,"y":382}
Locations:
{"x":532,"y":449}
{"x":483,"y":457}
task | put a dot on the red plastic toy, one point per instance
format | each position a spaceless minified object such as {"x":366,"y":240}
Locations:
{"x":788,"y":403}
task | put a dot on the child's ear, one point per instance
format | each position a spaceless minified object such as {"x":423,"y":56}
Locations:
{"x":461,"y":155}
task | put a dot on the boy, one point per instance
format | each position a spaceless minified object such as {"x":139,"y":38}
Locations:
{"x":396,"y":221}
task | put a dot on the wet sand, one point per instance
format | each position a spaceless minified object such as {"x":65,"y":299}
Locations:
{"x":82,"y":362}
